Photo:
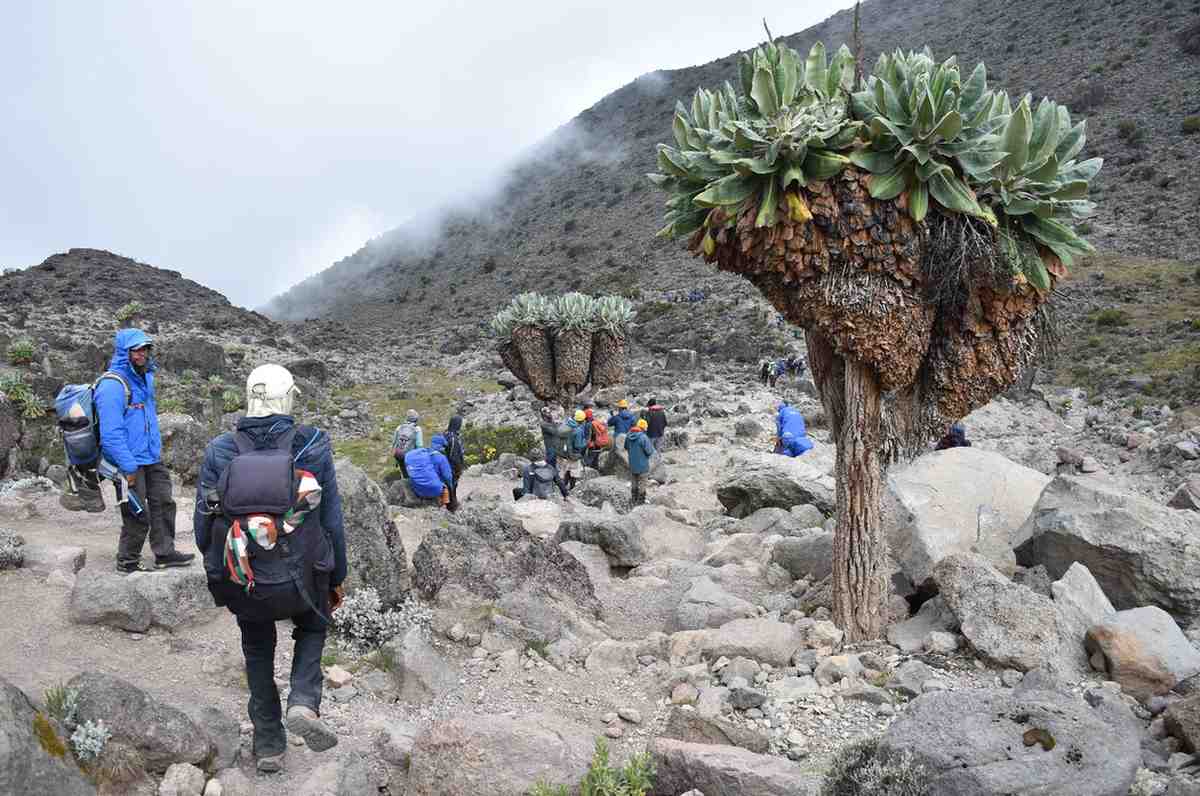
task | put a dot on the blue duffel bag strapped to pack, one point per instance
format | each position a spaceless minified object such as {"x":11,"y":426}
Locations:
{"x":78,"y":421}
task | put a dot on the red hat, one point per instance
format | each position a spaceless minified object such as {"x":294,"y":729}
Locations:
{"x":587,"y":413}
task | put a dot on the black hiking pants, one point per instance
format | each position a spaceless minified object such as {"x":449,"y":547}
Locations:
{"x":152,"y":489}
{"x":254,"y":612}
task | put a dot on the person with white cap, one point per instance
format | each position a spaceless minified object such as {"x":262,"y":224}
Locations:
{"x":269,"y":522}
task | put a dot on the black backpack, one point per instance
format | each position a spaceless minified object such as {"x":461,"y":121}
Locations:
{"x":265,"y":481}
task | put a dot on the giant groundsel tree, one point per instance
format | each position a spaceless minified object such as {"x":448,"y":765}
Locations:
{"x":914,"y":227}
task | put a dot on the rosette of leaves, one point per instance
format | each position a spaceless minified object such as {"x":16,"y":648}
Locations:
{"x":928,"y":134}
{"x":735,"y":150}
{"x":614,"y":314}
{"x":532,"y":315}
{"x":502,"y":326}
{"x":1038,"y":190}
{"x":575,"y":312}
{"x":532,"y":309}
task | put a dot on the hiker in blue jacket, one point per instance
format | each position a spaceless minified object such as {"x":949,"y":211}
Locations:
{"x":130,"y":440}
{"x":270,"y":392}
{"x":791,"y":435}
{"x":429,"y":471}
{"x":576,"y":447}
{"x":641,"y":450}
{"x":622,"y":420}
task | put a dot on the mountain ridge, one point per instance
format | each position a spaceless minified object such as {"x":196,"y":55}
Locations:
{"x":579,"y":214}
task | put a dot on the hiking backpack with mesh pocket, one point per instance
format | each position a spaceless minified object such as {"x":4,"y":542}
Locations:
{"x":79,"y":422}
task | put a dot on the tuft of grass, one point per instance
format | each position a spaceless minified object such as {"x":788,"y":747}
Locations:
{"x":22,"y":395}
{"x":130,"y":311}
{"x":62,"y":703}
{"x":636,"y":778}
{"x":1111,"y":316}
{"x":47,"y":736}
{"x":540,"y":646}
{"x":1191,"y":124}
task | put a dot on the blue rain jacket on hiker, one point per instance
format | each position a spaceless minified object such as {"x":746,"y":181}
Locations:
{"x":791,"y":422}
{"x":312,"y":451}
{"x":640,"y":450}
{"x":621,"y":422}
{"x":129,"y":436}
{"x":429,"y":470}
{"x":578,"y":438}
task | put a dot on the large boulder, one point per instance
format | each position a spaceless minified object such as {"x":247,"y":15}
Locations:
{"x":498,"y":755}
{"x":690,"y":726}
{"x":595,"y":492}
{"x":33,"y":756}
{"x":309,"y":369}
{"x":374,"y":550}
{"x":618,"y":535}
{"x":183,"y":442}
{"x":990,"y":742}
{"x":192,"y":353}
{"x":808,"y":556}
{"x":764,"y":640}
{"x":710,"y":768}
{"x":172,"y":599}
{"x":1143,"y":650}
{"x":960,"y":500}
{"x":1005,"y":621}
{"x":161,"y":733}
{"x":420,"y":671}
{"x":487,"y":553}
{"x":755,"y":482}
{"x":932,"y":617}
{"x":1141,"y":553}
{"x":681,"y":360}
{"x":708,"y":605}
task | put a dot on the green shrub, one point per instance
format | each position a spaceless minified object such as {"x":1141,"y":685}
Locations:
{"x":485,"y":443}
{"x":635,"y":779}
{"x":130,"y":311}
{"x":1111,"y":316}
{"x":1128,"y":130}
{"x":863,"y":769}
{"x":62,"y":704}
{"x":231,"y":400}
{"x":21,"y":351}
{"x":1191,"y":124}
{"x":20,"y":394}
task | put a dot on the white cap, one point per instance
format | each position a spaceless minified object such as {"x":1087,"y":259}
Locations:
{"x":269,"y":391}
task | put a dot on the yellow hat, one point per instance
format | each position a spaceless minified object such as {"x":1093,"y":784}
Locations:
{"x":642,"y":424}
{"x":580,"y":416}
{"x":622,"y":404}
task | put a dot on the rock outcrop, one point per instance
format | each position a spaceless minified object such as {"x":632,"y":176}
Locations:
{"x":33,"y":756}
{"x":374,"y":550}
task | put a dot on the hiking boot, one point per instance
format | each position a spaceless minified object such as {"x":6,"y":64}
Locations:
{"x":136,"y":566}
{"x":303,"y":721}
{"x":269,"y":764}
{"x":175,"y":559}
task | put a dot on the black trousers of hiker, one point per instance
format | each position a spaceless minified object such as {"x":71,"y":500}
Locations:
{"x":254,"y":612}
{"x":152,"y":488}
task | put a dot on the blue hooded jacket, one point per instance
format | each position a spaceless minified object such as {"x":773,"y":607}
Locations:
{"x":791,"y":422}
{"x":313,"y":452}
{"x":129,"y":436}
{"x":429,"y":469}
{"x":622,"y":421}
{"x":578,"y":438}
{"x":640,"y":450}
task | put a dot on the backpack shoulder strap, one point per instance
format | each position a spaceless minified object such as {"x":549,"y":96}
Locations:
{"x":108,"y":374}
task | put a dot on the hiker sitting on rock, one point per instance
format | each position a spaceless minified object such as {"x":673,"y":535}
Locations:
{"x":622,"y":420}
{"x":408,"y":436}
{"x":130,"y":440}
{"x":656,"y":422}
{"x":956,"y":437}
{"x":429,"y":473}
{"x":641,"y":450}
{"x":791,"y":435}
{"x":268,"y":520}
{"x":537,"y":479}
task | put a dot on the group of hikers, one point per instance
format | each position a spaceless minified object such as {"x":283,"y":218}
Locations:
{"x":770,"y":372}
{"x":267,"y":522}
{"x":580,"y":439}
{"x":434,"y":471}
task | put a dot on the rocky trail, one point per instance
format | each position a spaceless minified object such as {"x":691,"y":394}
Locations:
{"x":695,"y":628}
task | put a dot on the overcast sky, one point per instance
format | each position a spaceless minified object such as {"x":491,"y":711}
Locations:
{"x":250,"y":144}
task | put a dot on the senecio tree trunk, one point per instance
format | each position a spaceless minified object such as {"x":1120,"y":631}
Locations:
{"x":914,"y":229}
